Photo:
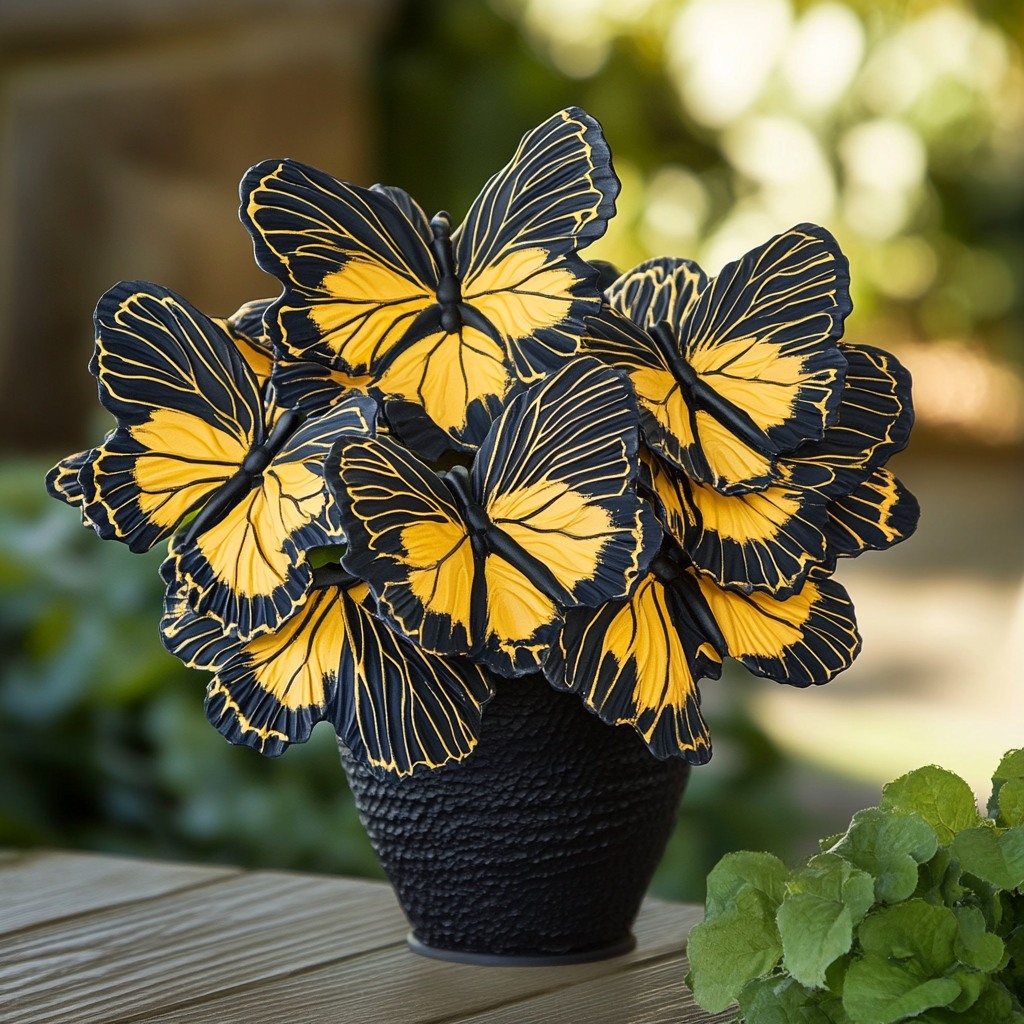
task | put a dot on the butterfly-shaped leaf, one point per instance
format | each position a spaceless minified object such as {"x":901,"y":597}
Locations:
{"x":406,"y":707}
{"x":245,"y":326}
{"x":249,"y":332}
{"x":193,"y":440}
{"x":879,"y":513}
{"x":764,"y":540}
{"x":188,"y":412}
{"x":637,"y":661}
{"x":484,"y":562}
{"x":62,"y":481}
{"x":732,"y":372}
{"x":247,"y":567}
{"x":657,"y":291}
{"x":769,"y":539}
{"x":802,"y":640}
{"x":451,"y":320}
{"x":399,"y":708}
{"x":873,"y":423}
{"x":198,"y":641}
{"x":312,"y":387}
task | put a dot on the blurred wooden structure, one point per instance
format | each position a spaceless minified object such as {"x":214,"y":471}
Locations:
{"x":125,"y":129}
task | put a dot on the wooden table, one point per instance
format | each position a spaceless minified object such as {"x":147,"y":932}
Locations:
{"x":87,"y":937}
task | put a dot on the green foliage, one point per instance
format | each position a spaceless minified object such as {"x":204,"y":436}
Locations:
{"x":826,"y":900}
{"x":992,"y":854}
{"x":914,"y":913}
{"x":741,"y":940}
{"x":737,"y":872}
{"x":889,"y":846}
{"x":943,"y":799}
{"x":1007,"y":803}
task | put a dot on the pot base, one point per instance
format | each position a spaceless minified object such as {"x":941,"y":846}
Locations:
{"x":539,"y":846}
{"x":579,"y":956}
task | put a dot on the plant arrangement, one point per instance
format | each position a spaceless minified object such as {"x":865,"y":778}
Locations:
{"x":441,"y":457}
{"x":914,"y":913}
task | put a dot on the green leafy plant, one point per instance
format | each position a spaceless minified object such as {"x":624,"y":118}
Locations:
{"x":914,"y":913}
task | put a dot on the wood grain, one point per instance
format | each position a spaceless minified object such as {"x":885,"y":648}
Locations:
{"x":88,"y":939}
{"x":234,"y":932}
{"x":395,"y":985}
{"x":652,"y":993}
{"x":39,"y":886}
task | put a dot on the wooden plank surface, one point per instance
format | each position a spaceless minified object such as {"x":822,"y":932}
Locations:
{"x":103,"y":940}
{"x":147,"y":955}
{"x":653,"y":993}
{"x":42,"y":886}
{"x":395,"y":985}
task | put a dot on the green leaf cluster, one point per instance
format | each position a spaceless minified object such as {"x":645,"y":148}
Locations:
{"x":914,"y":913}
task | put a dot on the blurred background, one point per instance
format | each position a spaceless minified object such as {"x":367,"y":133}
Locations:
{"x":898,"y":125}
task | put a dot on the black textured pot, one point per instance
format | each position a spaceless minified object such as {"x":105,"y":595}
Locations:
{"x":539,"y":847}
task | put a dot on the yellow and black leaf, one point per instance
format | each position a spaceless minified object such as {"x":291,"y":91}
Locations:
{"x":637,"y":661}
{"x":557,"y":475}
{"x":660,"y":290}
{"x":62,"y":480}
{"x":874,"y":422}
{"x":188,"y":413}
{"x":451,"y":320}
{"x":734,"y":372}
{"x":397,"y":707}
{"x":407,"y":537}
{"x":403,"y":708}
{"x":761,"y":540}
{"x":409,"y":424}
{"x":198,"y":641}
{"x":193,"y":443}
{"x":802,"y":640}
{"x":312,"y":388}
{"x":880,"y":512}
{"x":484,"y":562}
{"x":249,"y":332}
{"x":769,"y":539}
{"x":246,"y":565}
{"x":274,"y":688}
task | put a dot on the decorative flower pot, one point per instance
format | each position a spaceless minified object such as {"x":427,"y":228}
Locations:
{"x":539,"y":847}
{"x":568,"y":519}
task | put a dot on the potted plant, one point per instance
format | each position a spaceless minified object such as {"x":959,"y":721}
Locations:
{"x":493,"y":512}
{"x":913,"y":913}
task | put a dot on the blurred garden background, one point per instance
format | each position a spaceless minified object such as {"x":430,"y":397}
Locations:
{"x":898,"y":125}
